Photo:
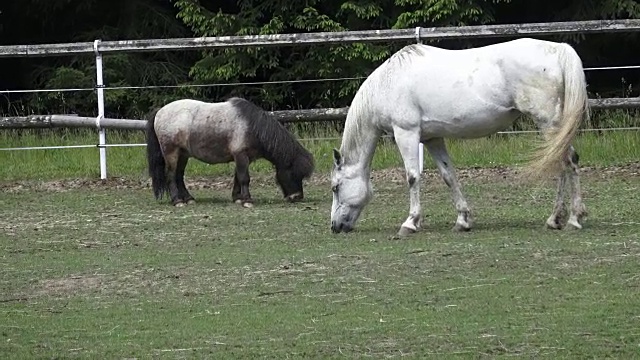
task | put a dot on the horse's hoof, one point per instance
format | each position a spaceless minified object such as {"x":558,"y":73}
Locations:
{"x":180,"y":204}
{"x":405,"y":231}
{"x":573,"y":225}
{"x":461,"y":227}
{"x":191,"y":201}
{"x":553,"y":224}
{"x":238,"y":201}
{"x":463,"y":222}
{"x":247,"y":205}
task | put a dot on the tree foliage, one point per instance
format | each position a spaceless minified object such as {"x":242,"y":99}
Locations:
{"x":73,"y":21}
{"x":54,"y":21}
{"x":310,"y":62}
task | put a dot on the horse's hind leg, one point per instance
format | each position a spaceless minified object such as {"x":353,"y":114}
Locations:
{"x":183,"y":193}
{"x":438,"y":151}
{"x":578,"y":210}
{"x":241,"y":181}
{"x":408,"y":142}
{"x":559,"y":210}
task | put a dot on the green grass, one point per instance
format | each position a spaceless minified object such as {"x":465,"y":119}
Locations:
{"x":595,"y":149}
{"x":93,"y":270}
{"x":103,"y":272}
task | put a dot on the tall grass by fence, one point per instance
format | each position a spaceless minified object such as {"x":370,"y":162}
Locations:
{"x":98,"y":48}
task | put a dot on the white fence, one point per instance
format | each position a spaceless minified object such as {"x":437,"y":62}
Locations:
{"x":98,"y":48}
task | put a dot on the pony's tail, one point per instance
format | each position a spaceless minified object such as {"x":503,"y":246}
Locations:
{"x":550,"y":158}
{"x":155,"y":160}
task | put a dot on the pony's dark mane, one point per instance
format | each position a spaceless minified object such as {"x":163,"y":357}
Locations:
{"x":279,"y":146}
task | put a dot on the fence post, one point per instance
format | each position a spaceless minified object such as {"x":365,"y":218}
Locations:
{"x":421,"y":147}
{"x":102,"y":136}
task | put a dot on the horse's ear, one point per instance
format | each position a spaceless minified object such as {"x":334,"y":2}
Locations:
{"x":337,"y":157}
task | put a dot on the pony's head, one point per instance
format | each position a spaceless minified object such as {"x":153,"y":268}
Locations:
{"x":290,"y":178}
{"x":351,"y":189}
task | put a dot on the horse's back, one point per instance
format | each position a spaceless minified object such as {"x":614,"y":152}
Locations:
{"x":463,"y":93}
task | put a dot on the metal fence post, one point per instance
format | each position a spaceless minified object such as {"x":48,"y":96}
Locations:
{"x":102,"y":136}
{"x":421,"y":147}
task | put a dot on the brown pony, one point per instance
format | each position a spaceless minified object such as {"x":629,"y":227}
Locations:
{"x":235,"y":130}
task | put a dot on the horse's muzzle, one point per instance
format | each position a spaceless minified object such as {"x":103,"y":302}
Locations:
{"x":338,"y":227}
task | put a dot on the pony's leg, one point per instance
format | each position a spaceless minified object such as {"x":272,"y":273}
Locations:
{"x":184,"y":194}
{"x":243,"y":179}
{"x":559,"y":210}
{"x":578,"y":210}
{"x":408,"y":142}
{"x":235,"y":193}
{"x":438,"y":150}
{"x":172,"y":157}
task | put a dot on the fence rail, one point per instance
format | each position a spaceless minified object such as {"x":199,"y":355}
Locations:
{"x":419,"y":33}
{"x":98,"y":48}
{"x":284,"y":116}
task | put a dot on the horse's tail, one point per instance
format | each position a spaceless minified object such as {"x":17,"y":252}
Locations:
{"x":155,"y":160}
{"x":550,"y":158}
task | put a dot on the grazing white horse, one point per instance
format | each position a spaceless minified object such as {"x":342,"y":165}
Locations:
{"x":425,"y":94}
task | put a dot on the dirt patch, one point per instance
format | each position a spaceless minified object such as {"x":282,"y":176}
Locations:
{"x":394,"y":175}
{"x":111,"y":183}
{"x":68,"y":286}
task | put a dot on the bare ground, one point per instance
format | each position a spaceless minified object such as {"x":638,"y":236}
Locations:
{"x":218,"y":183}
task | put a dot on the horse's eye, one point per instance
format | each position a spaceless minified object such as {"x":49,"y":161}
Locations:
{"x":334,"y":188}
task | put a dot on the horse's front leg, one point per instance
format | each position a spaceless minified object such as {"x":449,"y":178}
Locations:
{"x":408,"y":142}
{"x":438,"y":150}
{"x":242,"y":179}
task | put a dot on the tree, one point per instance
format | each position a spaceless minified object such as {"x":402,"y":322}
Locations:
{"x":70,"y":21}
{"x":54,"y":21}
{"x":243,"y":17}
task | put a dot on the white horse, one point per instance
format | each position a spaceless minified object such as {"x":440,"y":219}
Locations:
{"x":425,"y":94}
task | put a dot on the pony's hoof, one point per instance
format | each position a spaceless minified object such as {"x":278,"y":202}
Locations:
{"x":295,"y":197}
{"x":180,"y":204}
{"x":405,"y":231}
{"x":247,"y":205}
{"x":191,"y":201}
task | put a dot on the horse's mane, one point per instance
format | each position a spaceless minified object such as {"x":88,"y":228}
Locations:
{"x":406,"y":54}
{"x":279,"y":146}
{"x":362,"y":102}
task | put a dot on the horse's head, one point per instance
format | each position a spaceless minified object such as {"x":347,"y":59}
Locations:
{"x":290,"y":178}
{"x":351,"y":193}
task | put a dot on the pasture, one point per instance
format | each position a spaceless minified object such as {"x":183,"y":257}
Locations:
{"x":95,"y":269}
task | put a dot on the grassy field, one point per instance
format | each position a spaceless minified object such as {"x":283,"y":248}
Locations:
{"x":608,"y":148}
{"x":93,"y":270}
